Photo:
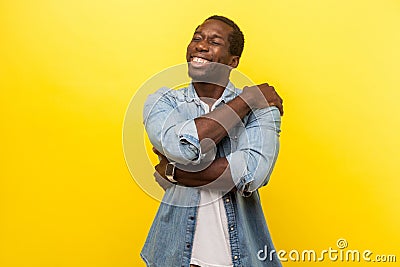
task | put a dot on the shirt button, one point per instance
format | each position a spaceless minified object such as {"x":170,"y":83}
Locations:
{"x":188,"y":245}
{"x":235,"y":257}
{"x":227,"y":200}
{"x":191,"y":217}
{"x":232,"y":228}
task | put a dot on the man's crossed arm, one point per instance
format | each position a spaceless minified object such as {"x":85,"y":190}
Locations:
{"x":214,"y":126}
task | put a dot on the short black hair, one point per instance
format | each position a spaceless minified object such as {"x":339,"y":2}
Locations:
{"x":236,"y":37}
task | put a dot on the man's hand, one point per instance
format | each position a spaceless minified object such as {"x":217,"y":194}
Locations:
{"x":215,"y":125}
{"x":217,"y":172}
{"x":159,"y":174}
{"x":262,"y":96}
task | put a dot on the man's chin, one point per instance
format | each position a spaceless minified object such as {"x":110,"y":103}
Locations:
{"x":196,"y":76}
{"x":199,"y":74}
{"x":208,"y":74}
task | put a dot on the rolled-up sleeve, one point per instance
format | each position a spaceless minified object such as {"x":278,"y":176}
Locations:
{"x":169,"y":131}
{"x":252,"y":162}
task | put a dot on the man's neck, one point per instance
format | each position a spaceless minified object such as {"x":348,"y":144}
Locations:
{"x":209,"y":90}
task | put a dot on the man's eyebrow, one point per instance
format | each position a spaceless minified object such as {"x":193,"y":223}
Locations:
{"x":216,"y":36}
{"x":212,"y":36}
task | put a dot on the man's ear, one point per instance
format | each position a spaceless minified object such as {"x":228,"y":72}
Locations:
{"x":234,"y":61}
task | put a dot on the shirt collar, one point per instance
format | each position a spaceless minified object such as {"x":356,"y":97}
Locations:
{"x":229,"y":93}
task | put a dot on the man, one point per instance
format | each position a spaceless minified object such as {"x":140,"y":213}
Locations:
{"x":217,"y":145}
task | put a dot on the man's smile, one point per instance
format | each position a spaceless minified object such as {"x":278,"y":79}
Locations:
{"x":198,"y":62}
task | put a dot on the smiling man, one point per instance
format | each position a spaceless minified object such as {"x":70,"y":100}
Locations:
{"x":217,"y":146}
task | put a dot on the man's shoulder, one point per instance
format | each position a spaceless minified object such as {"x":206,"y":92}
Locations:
{"x":169,"y":92}
{"x":265,"y":117}
{"x":270,"y":111}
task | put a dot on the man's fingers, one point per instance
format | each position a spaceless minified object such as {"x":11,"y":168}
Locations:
{"x":157,"y":168}
{"x":157,"y":152}
{"x":280,"y":107}
{"x":265,"y":95}
{"x":162,"y":181}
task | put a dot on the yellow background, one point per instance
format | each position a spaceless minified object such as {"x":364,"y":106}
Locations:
{"x":68,"y":70}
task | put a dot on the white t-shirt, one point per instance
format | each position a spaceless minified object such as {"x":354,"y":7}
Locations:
{"x":211,"y":247}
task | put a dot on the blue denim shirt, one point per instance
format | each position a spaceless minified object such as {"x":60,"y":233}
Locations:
{"x":250,"y":148}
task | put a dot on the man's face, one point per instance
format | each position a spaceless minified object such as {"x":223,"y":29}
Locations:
{"x":208,"y":53}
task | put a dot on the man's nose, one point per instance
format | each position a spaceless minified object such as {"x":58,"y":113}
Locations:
{"x":202,"y":45}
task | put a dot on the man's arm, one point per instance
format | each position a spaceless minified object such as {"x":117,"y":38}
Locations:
{"x":168,"y":128}
{"x":249,"y":167}
{"x":216,"y":176}
{"x":182,"y":140}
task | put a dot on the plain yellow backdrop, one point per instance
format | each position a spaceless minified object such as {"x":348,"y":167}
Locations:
{"x":68,"y":70}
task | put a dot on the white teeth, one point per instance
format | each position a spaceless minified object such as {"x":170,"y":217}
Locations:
{"x":199,"y":60}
